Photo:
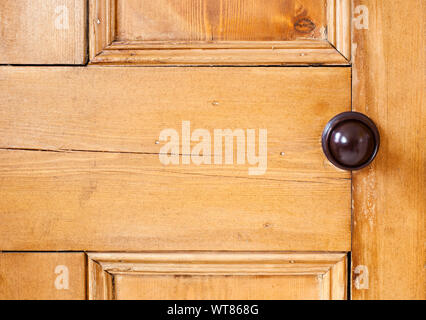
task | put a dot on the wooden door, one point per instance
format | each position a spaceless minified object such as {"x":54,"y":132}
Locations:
{"x":176,"y":152}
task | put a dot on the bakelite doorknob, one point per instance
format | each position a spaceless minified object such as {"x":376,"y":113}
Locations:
{"x":350,"y":141}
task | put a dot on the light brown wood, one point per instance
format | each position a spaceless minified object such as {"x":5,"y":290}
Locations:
{"x":219,"y":276}
{"x":339,"y":23}
{"x":224,"y":20}
{"x":226,"y":53}
{"x":125,"y":109}
{"x":99,"y":184}
{"x":79,"y":164}
{"x":100,"y":282}
{"x":43,"y":32}
{"x":169,"y":31}
{"x":389,"y":197}
{"x":42,"y":276}
{"x":170,"y":287}
{"x":102,"y":19}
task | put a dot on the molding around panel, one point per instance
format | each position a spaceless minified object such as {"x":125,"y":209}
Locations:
{"x":329,"y":268}
{"x":105,"y":50}
{"x":339,"y":21}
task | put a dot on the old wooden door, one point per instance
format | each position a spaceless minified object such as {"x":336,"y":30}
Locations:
{"x":172,"y":149}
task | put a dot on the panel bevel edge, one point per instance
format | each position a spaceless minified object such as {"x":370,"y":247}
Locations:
{"x":339,"y":24}
{"x":99,"y":282}
{"x":101,"y":26}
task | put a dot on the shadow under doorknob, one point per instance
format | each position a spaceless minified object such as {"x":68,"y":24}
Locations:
{"x":350,"y":141}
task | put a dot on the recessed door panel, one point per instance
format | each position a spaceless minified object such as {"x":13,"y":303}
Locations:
{"x":84,"y":165}
{"x":201,"y":276}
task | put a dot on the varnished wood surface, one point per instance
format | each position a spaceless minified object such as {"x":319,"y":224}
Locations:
{"x":79,"y":164}
{"x":43,"y":32}
{"x":100,"y":283}
{"x":214,"y":275}
{"x":125,"y":109}
{"x":101,"y":201}
{"x":42,"y":276}
{"x":168,"y":33}
{"x":221,"y":54}
{"x":92,"y":179}
{"x":389,"y":196}
{"x":339,"y":23}
{"x":171,"y":287}
{"x":223,"y":20}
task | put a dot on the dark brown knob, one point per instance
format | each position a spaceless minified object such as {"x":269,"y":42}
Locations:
{"x":350,"y":141}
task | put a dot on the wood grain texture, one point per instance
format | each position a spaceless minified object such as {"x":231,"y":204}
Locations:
{"x":223,"y":20}
{"x":102,"y":28}
{"x":169,"y":32}
{"x":100,"y":283}
{"x":227,"y":53}
{"x":227,"y":276}
{"x":43,"y":32}
{"x":170,"y":287}
{"x":339,"y":23}
{"x":100,"y":201}
{"x":105,"y":189}
{"x":34,"y":276}
{"x":125,"y":109}
{"x":389,"y":196}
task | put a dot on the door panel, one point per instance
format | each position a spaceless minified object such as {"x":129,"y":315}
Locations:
{"x":173,"y":287}
{"x":81,"y":168}
{"x":199,"y":276}
{"x":42,"y":276}
{"x":389,"y":196}
{"x":189,"y":20}
{"x":87,"y":162}
{"x":113,"y":201}
{"x":226,"y":32}
{"x":125,"y":109}
{"x":79,"y":149}
{"x":43,"y":32}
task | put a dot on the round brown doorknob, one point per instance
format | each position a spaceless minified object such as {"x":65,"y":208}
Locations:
{"x":350,"y":141}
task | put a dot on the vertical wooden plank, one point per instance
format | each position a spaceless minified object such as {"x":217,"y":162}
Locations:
{"x":42,"y":276}
{"x":389,"y":198}
{"x":43,"y":32}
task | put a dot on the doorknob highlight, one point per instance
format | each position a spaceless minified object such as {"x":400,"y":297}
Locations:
{"x":350,"y":141}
